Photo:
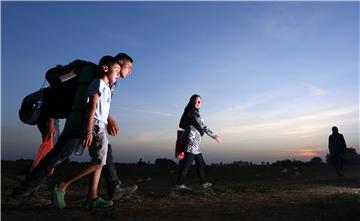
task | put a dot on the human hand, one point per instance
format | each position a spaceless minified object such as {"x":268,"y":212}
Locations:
{"x":112,"y":127}
{"x":88,"y":139}
{"x":218,"y":139}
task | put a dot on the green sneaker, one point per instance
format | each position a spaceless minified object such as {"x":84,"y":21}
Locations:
{"x":98,"y":203}
{"x":58,"y":198}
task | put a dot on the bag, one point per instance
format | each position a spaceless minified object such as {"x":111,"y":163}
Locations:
{"x":31,"y":107}
{"x":55,"y":101}
{"x":60,"y":73}
{"x":179,"y":149}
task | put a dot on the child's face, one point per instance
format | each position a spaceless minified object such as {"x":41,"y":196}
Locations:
{"x":113,"y":73}
{"x":126,"y":69}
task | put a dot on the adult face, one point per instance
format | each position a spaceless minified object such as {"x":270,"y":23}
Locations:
{"x":126,"y":69}
{"x":198,"y":102}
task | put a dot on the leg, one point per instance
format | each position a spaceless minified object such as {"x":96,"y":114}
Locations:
{"x":184,"y":168}
{"x":114,"y":188}
{"x":98,"y":152}
{"x":93,"y":190}
{"x":61,"y":151}
{"x":200,"y":167}
{"x":89,"y":169}
{"x":109,"y":171}
{"x":337,"y":164}
{"x":58,"y":193}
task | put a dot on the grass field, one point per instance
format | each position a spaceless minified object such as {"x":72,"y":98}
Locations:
{"x":239,"y":193}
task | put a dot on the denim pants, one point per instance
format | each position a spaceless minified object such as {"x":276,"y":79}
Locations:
{"x":186,"y":164}
{"x":63,"y":148}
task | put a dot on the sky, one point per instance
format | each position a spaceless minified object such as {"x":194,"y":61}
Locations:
{"x":274,"y":77}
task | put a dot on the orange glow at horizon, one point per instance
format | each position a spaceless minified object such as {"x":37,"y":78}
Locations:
{"x":306,"y":152}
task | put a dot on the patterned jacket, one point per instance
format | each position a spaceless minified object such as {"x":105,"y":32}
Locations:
{"x":192,"y":136}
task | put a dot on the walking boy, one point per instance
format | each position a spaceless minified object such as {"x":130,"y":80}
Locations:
{"x":95,"y":137}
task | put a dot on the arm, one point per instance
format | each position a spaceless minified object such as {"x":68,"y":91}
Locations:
{"x":343,"y":143}
{"x":206,"y":130}
{"x":112,"y":126}
{"x":90,"y":121}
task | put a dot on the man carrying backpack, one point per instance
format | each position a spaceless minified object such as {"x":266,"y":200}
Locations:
{"x":70,"y":137}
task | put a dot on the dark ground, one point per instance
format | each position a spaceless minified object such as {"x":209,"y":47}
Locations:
{"x":239,"y":193}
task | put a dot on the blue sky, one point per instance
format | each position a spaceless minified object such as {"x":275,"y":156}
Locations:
{"x":274,"y":76}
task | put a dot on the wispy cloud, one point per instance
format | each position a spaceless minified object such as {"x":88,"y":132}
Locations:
{"x":144,"y":111}
{"x":315,"y":90}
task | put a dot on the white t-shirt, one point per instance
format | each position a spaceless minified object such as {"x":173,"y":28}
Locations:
{"x":98,"y":86}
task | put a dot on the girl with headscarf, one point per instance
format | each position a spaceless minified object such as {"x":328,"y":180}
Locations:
{"x":194,"y":129}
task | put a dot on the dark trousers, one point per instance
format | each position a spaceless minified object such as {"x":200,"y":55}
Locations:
{"x":338,"y":159}
{"x":64,"y":148}
{"x":186,"y":164}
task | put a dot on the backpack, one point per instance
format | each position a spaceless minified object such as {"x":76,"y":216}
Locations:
{"x":31,"y":106}
{"x":56,"y":100}
{"x":59,"y":74}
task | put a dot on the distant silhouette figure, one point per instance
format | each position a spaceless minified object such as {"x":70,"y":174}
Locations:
{"x":337,"y":149}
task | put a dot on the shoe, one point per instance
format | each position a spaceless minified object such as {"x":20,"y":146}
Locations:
{"x":206,"y":185}
{"x":182,"y":187}
{"x":30,"y":199}
{"x":120,"y":191}
{"x":98,"y":203}
{"x":58,"y":198}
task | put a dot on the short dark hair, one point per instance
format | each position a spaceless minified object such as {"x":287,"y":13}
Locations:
{"x":106,"y":60}
{"x":335,"y":129}
{"x":124,"y":57}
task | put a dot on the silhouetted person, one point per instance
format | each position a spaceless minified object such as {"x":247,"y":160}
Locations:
{"x":337,"y":148}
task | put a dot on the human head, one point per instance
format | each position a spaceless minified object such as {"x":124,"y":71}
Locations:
{"x":189,"y":111}
{"x":109,"y":67}
{"x":194,"y":102}
{"x":126,"y":63}
{"x":335,"y":130}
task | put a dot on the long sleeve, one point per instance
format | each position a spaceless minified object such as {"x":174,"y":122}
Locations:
{"x":204,"y":128}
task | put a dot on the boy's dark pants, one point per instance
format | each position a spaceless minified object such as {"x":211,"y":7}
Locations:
{"x":186,"y":164}
{"x":64,"y":148}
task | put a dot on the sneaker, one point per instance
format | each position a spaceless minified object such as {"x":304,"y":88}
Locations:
{"x":58,"y":198}
{"x":31,"y":199}
{"x":182,"y":187}
{"x":98,"y":203}
{"x":206,"y":185}
{"x":120,"y":191}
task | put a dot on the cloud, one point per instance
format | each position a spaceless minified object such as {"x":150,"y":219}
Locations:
{"x":297,"y":117}
{"x":144,"y":111}
{"x":315,"y":90}
{"x":304,"y":152}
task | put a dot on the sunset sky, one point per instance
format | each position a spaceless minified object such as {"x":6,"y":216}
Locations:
{"x":274,"y":76}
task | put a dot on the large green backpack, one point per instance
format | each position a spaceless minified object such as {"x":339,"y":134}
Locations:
{"x":75,"y":121}
{"x":64,"y":98}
